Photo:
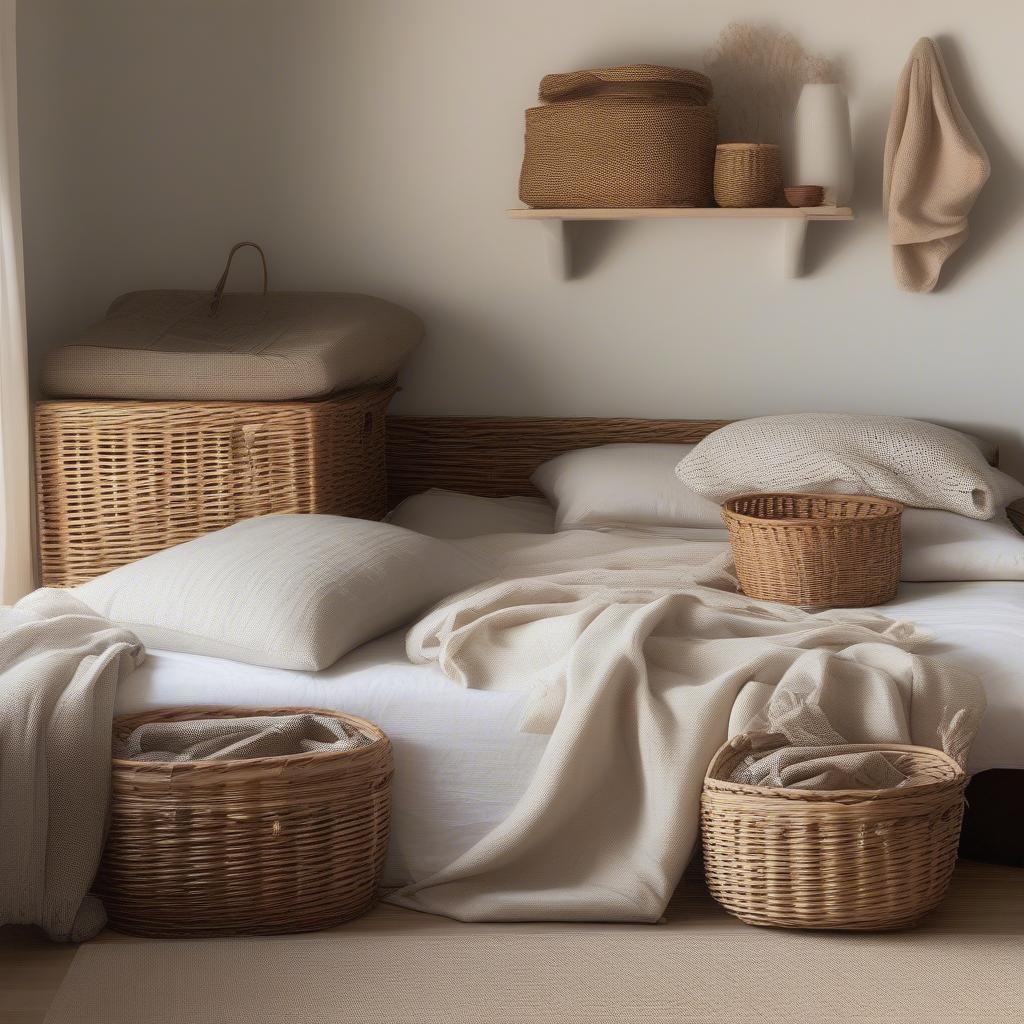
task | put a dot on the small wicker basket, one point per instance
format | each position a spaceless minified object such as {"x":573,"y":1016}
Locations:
{"x":816,"y":550}
{"x":748,"y":174}
{"x":260,"y":846}
{"x":852,"y":860}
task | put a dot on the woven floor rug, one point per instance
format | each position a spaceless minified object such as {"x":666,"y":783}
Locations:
{"x":403,"y":967}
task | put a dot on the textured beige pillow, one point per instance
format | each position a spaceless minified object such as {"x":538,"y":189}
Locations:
{"x":282,"y":591}
{"x":918,"y":463}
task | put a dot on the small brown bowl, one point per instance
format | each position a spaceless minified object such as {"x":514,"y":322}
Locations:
{"x":804,"y":195}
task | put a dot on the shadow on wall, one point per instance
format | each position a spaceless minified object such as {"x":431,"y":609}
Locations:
{"x":1000,"y":205}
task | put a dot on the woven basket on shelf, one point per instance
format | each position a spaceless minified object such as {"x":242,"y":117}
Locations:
{"x":266,"y":845}
{"x":635,"y":136}
{"x":748,"y":174}
{"x":826,"y":550}
{"x":854,"y":860}
{"x":119,"y":480}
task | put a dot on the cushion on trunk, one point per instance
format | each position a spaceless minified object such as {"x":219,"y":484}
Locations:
{"x":273,"y":347}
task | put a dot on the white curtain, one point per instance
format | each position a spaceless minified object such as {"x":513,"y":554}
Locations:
{"x":15,"y":454}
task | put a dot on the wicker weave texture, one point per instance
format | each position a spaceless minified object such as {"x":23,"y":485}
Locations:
{"x":117,"y":481}
{"x":267,"y":845}
{"x":868,"y":860}
{"x":748,"y":175}
{"x":823,"y":550}
{"x":638,"y":136}
{"x":495,"y":456}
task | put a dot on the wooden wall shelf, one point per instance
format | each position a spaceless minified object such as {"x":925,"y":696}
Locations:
{"x":794,"y":226}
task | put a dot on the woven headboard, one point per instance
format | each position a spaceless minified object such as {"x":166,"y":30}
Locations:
{"x":494,"y":456}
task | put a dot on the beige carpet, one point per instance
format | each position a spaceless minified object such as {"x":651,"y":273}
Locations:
{"x":965,"y":965}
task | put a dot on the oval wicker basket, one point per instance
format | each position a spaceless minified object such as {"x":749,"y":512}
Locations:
{"x":816,"y":550}
{"x":265,"y":845}
{"x":748,"y":174}
{"x":852,"y":860}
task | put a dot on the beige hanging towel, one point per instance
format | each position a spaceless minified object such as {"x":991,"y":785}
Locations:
{"x":934,"y":169}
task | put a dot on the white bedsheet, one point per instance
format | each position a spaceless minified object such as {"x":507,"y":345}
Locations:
{"x":461,"y":761}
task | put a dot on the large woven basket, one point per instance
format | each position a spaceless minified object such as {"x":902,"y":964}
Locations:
{"x":119,"y":480}
{"x":633,"y":136}
{"x":748,"y":174}
{"x":266,"y":845}
{"x":853,"y":860}
{"x":816,"y":550}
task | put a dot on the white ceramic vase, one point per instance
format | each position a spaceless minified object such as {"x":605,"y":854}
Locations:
{"x":823,"y":146}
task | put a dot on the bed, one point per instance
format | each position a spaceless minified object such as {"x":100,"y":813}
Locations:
{"x":461,"y":760}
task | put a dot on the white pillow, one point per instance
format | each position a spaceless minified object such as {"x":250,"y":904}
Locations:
{"x":293,"y":591}
{"x":917,"y":463}
{"x":617,"y":485}
{"x":452,"y":515}
{"x":940,"y":545}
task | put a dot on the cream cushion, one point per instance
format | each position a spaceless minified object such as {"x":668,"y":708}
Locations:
{"x":290,"y":591}
{"x":616,"y":485}
{"x":283,"y":345}
{"x":920,"y":464}
{"x":940,"y":545}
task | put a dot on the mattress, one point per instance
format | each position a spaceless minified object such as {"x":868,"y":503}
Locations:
{"x":461,"y":761}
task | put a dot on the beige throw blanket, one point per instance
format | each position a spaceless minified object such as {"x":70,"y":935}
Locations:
{"x":641,"y":660}
{"x":59,"y":668}
{"x":935,"y":166}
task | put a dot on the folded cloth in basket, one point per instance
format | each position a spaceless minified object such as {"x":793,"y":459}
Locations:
{"x":228,"y":739}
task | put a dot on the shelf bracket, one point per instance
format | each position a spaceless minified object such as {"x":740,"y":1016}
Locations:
{"x":794,"y":237}
{"x":559,"y":248}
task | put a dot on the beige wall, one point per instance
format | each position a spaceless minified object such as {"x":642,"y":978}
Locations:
{"x":373,"y":145}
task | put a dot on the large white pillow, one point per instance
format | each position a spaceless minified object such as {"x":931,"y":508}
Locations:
{"x":453,"y":515}
{"x":291,"y":591}
{"x":939,"y":545}
{"x":920,"y":464}
{"x":617,"y":485}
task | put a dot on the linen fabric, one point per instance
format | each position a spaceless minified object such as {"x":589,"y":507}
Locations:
{"x":232,"y":739}
{"x":60,"y":664}
{"x":617,"y":485}
{"x":283,"y":345}
{"x":288,"y":591}
{"x":917,"y":463}
{"x":638,"y":656}
{"x":934,"y":168}
{"x":452,"y":515}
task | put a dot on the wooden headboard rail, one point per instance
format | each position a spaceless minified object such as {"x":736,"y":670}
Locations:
{"x":495,"y":456}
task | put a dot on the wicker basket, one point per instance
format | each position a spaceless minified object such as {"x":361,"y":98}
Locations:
{"x":266,"y":845}
{"x":854,"y":860}
{"x":822,"y":550}
{"x":748,"y":174}
{"x":119,"y":480}
{"x":634,"y":136}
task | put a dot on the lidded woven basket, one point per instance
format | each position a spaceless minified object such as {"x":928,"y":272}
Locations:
{"x":851,"y":860}
{"x":640,"y":135}
{"x":748,"y":174}
{"x":816,"y":550}
{"x":263,"y":845}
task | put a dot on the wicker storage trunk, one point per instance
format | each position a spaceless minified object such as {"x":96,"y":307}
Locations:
{"x":635,"y":136}
{"x":266,"y":845}
{"x":119,"y":480}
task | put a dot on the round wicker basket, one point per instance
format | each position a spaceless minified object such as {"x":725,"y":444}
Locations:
{"x":816,"y":550}
{"x":748,"y":174}
{"x":853,"y":860}
{"x":265,"y":845}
